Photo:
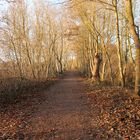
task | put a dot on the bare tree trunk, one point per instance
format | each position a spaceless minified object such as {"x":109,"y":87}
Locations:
{"x":17,"y":60}
{"x":103,"y":71}
{"x":30,"y":61}
{"x":96,"y":67}
{"x":110,"y":66}
{"x":135,"y":35}
{"x":122,"y":79}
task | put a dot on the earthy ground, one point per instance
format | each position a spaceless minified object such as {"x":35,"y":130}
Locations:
{"x":62,"y":114}
{"x":72,"y":109}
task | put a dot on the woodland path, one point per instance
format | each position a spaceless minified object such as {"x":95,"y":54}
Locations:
{"x":64,"y":114}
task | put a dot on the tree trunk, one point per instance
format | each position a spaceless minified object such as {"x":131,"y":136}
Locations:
{"x":96,"y":67}
{"x":122,"y":79}
{"x":103,"y":71}
{"x":130,"y":18}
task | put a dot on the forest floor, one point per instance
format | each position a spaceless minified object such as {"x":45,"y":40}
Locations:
{"x":72,"y":109}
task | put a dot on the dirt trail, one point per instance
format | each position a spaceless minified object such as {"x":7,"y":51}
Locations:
{"x":64,"y":113}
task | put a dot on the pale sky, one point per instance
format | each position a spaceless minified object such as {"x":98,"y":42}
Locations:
{"x":4,"y":6}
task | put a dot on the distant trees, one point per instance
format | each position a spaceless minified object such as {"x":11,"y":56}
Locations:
{"x":33,"y":42}
{"x":104,"y":29}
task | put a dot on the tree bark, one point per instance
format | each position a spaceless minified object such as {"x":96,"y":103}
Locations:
{"x":135,"y":35}
{"x":122,"y":79}
{"x":96,"y":67}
